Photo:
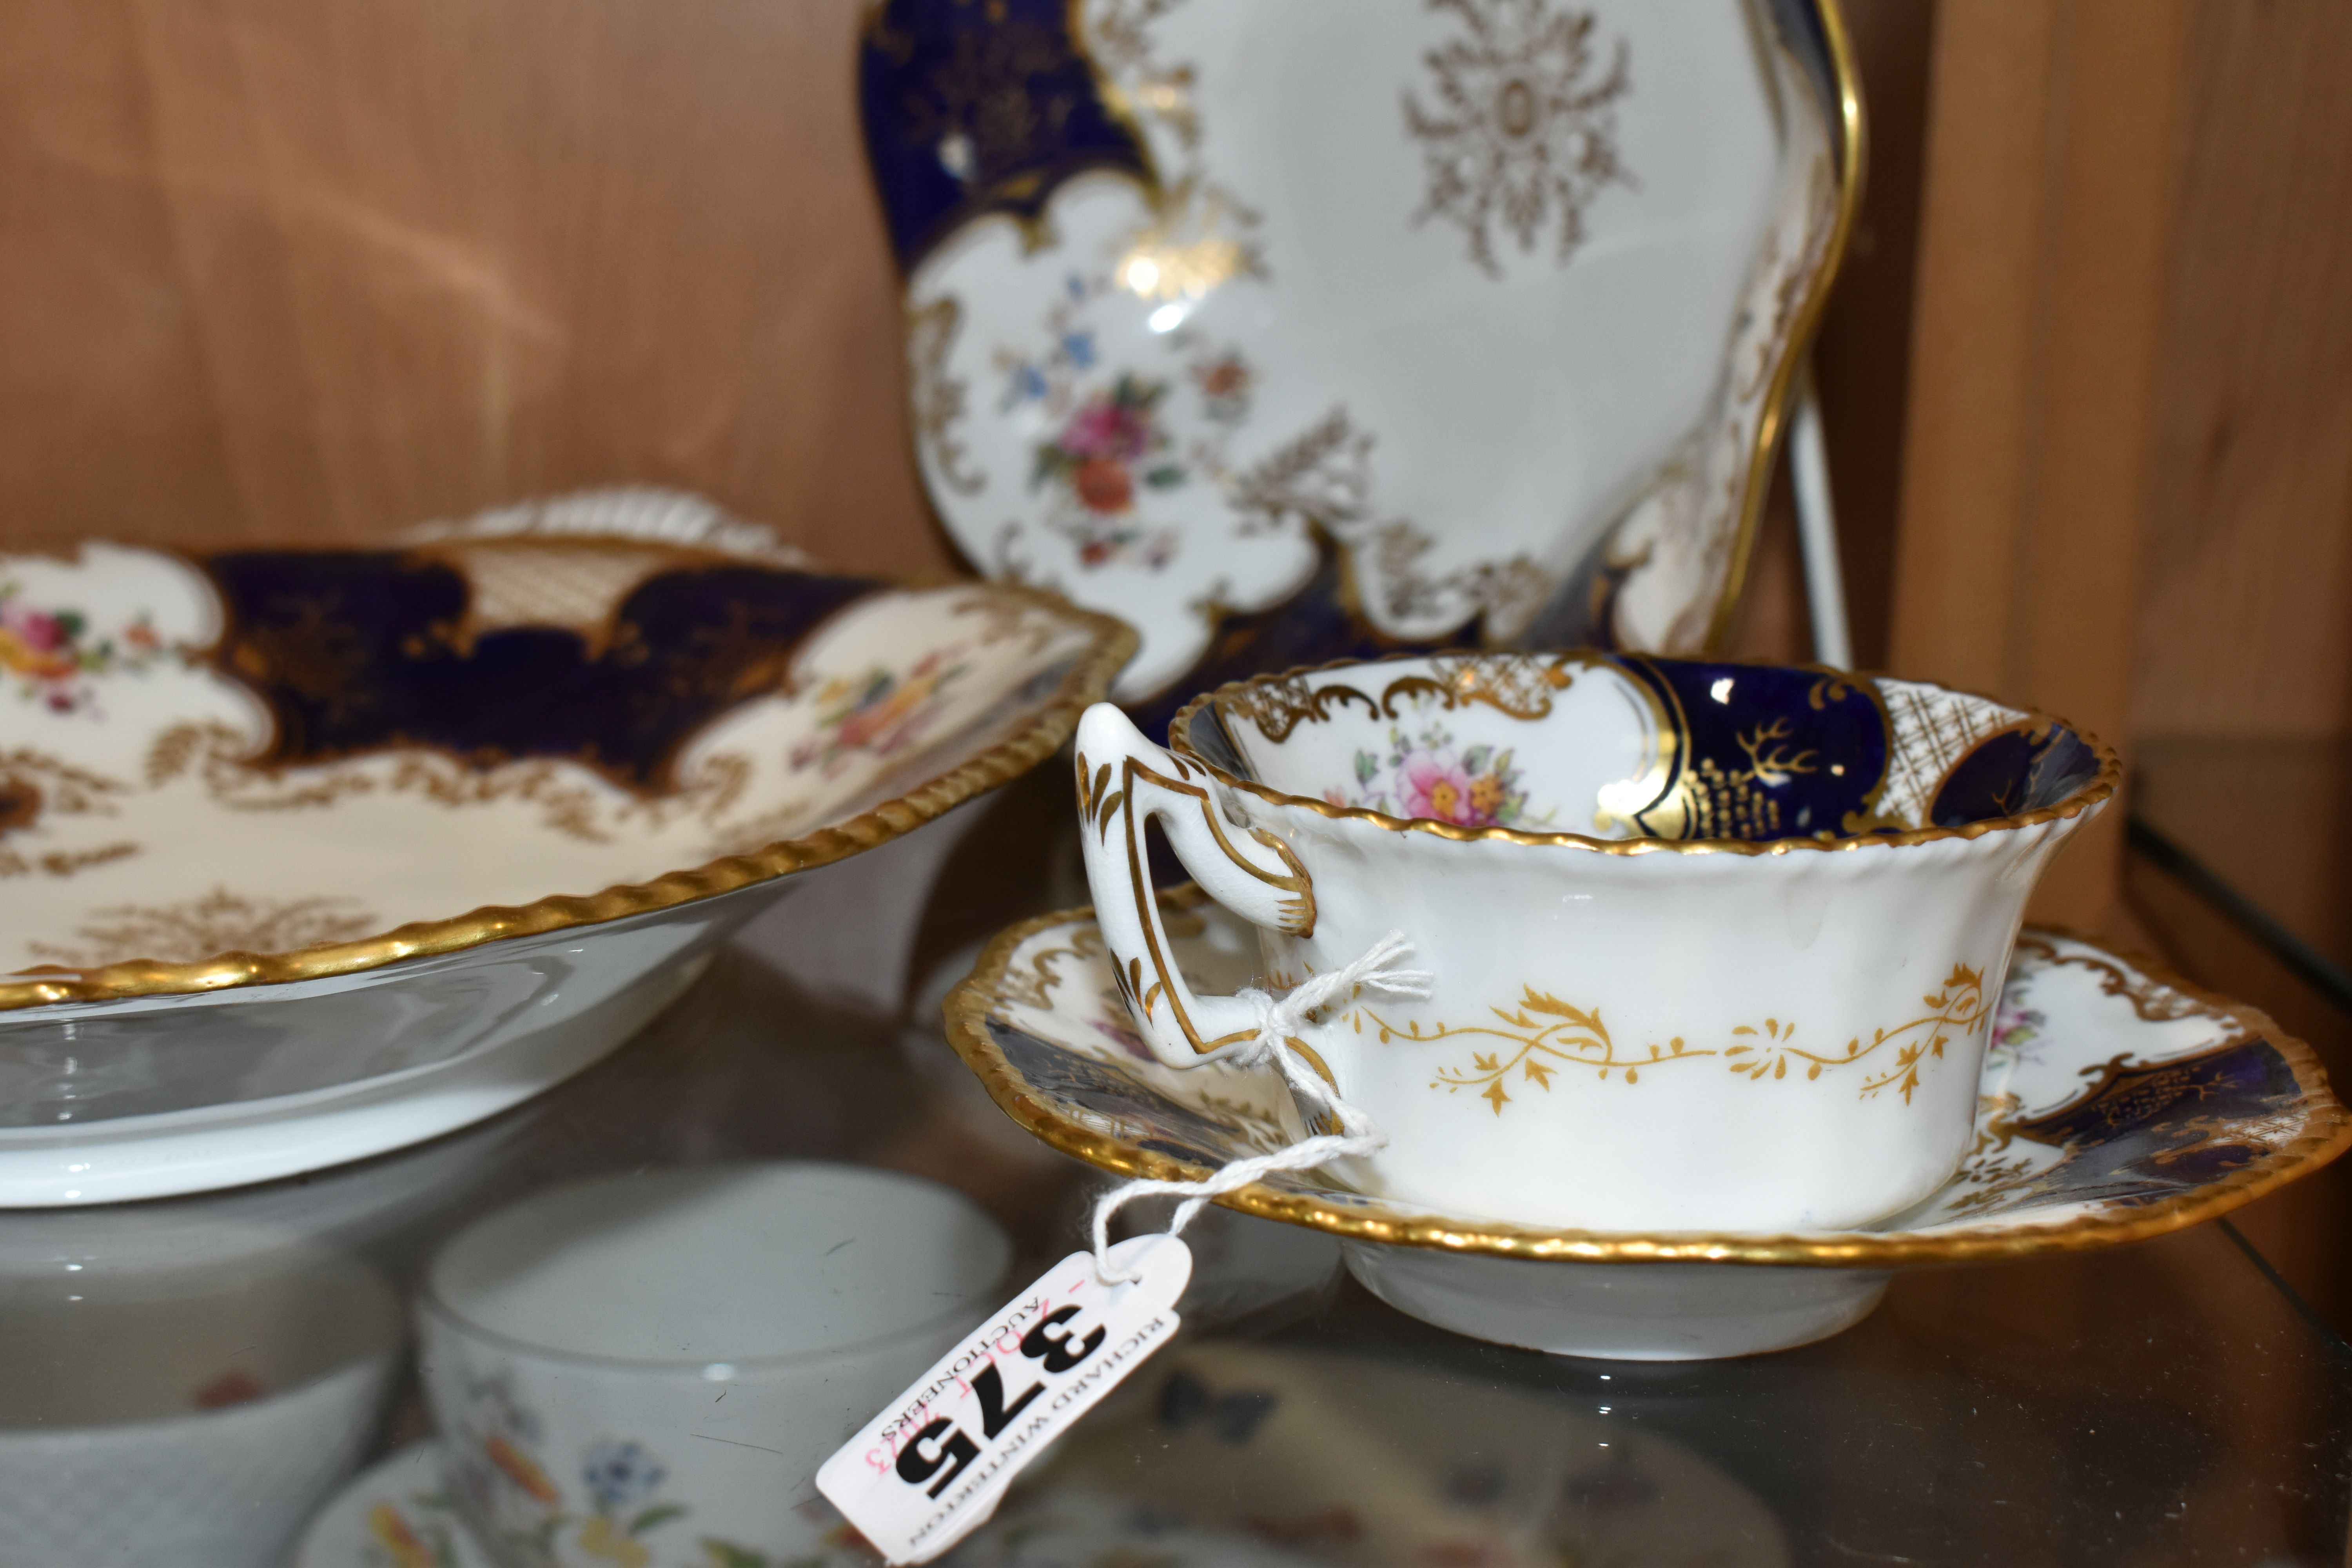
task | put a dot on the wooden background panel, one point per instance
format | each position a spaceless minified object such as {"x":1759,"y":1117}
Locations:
{"x":1862,"y":358}
{"x":2246,"y":622}
{"x":270,"y":270}
{"x":2053,"y":140}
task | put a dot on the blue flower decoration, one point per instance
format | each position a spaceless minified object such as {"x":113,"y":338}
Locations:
{"x":621,"y":1474}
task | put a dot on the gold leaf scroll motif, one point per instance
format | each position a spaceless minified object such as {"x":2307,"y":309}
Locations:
{"x":1545,"y":1035}
{"x":1958,"y":1006}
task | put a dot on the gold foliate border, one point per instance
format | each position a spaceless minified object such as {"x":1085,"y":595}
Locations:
{"x":1853,"y":169}
{"x":971,"y":1006}
{"x":1114,"y":643}
{"x":2095,"y":793}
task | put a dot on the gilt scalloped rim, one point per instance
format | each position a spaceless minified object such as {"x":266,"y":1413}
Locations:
{"x":1214,"y":704}
{"x":2322,"y":1130}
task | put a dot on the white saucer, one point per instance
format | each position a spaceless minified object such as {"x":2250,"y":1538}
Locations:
{"x":2117,"y":1102}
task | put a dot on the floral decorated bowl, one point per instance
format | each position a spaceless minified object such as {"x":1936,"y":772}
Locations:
{"x":314,"y":853}
{"x":2115,"y":1101}
{"x":1622,"y":876}
{"x":647,"y":1369}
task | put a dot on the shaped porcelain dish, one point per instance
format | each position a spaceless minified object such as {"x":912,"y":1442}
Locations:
{"x":2116,"y":1102}
{"x":1318,"y":329}
{"x":312,"y":854}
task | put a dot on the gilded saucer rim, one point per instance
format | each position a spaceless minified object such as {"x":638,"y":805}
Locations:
{"x":969,"y":1006}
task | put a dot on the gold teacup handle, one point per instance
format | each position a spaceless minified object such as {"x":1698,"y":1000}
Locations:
{"x":1123,"y":779}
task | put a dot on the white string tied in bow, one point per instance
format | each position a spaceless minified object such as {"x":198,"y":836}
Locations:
{"x":1278,"y":1020}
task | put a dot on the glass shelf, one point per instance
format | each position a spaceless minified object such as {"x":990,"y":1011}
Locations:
{"x":2166,"y":1403}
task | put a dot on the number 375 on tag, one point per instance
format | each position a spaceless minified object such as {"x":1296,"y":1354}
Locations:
{"x":931,"y":1467}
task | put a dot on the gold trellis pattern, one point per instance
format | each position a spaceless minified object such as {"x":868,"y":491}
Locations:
{"x":1544,"y":1036}
{"x":1929,"y":730}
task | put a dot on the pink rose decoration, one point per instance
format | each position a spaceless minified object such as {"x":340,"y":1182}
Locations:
{"x":1437,"y":787}
{"x":1105,"y":430}
{"x":39,"y":631}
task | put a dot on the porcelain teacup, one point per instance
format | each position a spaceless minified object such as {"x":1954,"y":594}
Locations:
{"x":1712,"y":946}
{"x":648,"y":1369}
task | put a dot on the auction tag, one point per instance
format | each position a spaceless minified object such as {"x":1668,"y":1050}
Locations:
{"x":930,"y":1468}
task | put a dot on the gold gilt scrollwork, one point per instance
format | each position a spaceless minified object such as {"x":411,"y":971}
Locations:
{"x":1520,"y":136}
{"x":935,"y":398}
{"x":35,"y":786}
{"x":1034,"y":986}
{"x":2151,"y":999}
{"x":1520,"y":685}
{"x":1279,"y":706}
{"x":1959,"y":1008}
{"x":1550,"y":1035}
{"x":1100,"y":805}
{"x":220,"y":922}
{"x":1545,"y":1035}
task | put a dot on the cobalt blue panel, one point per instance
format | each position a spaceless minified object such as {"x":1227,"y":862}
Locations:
{"x":1769,"y":752}
{"x":357,"y":651}
{"x":974,"y":106}
{"x":2147,"y":1133}
{"x":2011,"y":771}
